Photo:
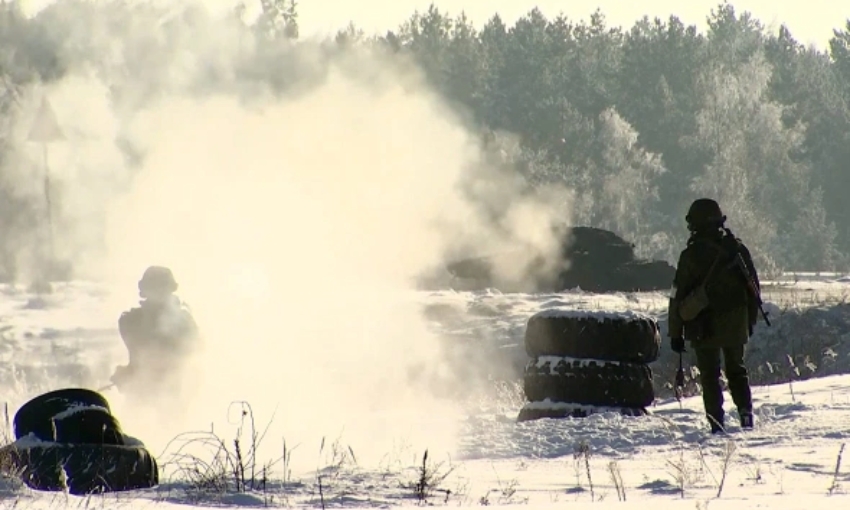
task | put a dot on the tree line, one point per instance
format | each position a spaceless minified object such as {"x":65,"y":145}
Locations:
{"x":638,"y":121}
{"x":641,"y":121}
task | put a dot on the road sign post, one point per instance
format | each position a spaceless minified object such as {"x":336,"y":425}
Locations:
{"x":45,"y":130}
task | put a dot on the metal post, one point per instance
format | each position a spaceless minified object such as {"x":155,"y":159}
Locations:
{"x":49,"y":207}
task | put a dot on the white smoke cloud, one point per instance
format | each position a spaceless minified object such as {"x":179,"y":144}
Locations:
{"x":296,"y":223}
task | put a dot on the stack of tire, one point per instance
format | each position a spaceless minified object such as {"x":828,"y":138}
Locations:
{"x":68,"y":440}
{"x":589,"y":362}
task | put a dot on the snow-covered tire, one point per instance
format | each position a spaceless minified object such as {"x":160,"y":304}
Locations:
{"x":83,"y":468}
{"x":89,"y":425}
{"x":559,"y":410}
{"x":36,"y":416}
{"x":588,"y":382}
{"x":69,"y":440}
{"x":609,"y":336}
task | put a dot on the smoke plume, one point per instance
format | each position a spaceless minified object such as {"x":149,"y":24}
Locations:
{"x":298,"y":191}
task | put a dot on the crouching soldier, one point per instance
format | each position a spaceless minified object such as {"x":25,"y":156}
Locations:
{"x":160,"y":335}
{"x":714,"y":305}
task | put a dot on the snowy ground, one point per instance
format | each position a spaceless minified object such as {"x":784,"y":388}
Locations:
{"x":666,"y":459}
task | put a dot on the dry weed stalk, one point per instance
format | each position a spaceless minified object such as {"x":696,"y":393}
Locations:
{"x":835,"y":484}
{"x":582,"y":451}
{"x":429,"y":480}
{"x":728,"y":451}
{"x":617,"y":480}
{"x":204,"y":461}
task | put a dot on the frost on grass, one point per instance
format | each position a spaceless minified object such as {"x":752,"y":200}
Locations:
{"x":552,"y":362}
{"x":557,"y":406}
{"x":800,"y":344}
{"x":796,"y":443}
{"x":598,"y":315}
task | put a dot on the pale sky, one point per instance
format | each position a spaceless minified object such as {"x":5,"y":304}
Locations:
{"x":810,"y":21}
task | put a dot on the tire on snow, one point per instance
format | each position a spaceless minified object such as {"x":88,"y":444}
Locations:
{"x":607,"y":336}
{"x":589,"y":382}
{"x":85,"y":468}
{"x":92,"y":425}
{"x":36,"y":416}
{"x":69,"y":439}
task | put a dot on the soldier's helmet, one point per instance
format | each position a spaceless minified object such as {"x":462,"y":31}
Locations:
{"x":704,"y":213}
{"x":157,"y":280}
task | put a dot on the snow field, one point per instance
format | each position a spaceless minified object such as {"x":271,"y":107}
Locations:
{"x":665,"y":459}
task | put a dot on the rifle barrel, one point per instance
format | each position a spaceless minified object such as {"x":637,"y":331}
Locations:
{"x":753,"y":287}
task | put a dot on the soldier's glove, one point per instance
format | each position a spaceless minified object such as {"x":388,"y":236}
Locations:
{"x":677,"y":344}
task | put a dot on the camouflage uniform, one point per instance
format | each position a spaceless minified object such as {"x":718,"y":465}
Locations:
{"x":724,"y":327}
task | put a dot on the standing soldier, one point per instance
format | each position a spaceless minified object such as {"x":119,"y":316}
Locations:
{"x":714,"y":305}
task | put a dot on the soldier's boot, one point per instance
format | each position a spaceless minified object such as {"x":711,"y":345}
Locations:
{"x":716,"y":422}
{"x":712,"y":399}
{"x":708,"y":362}
{"x":739,"y":385}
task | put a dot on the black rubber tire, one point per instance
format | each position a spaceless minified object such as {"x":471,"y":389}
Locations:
{"x":589,"y":382}
{"x":616,"y":336}
{"x":36,"y":415}
{"x":539,"y":410}
{"x":91,"y":469}
{"x":88,"y":426}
